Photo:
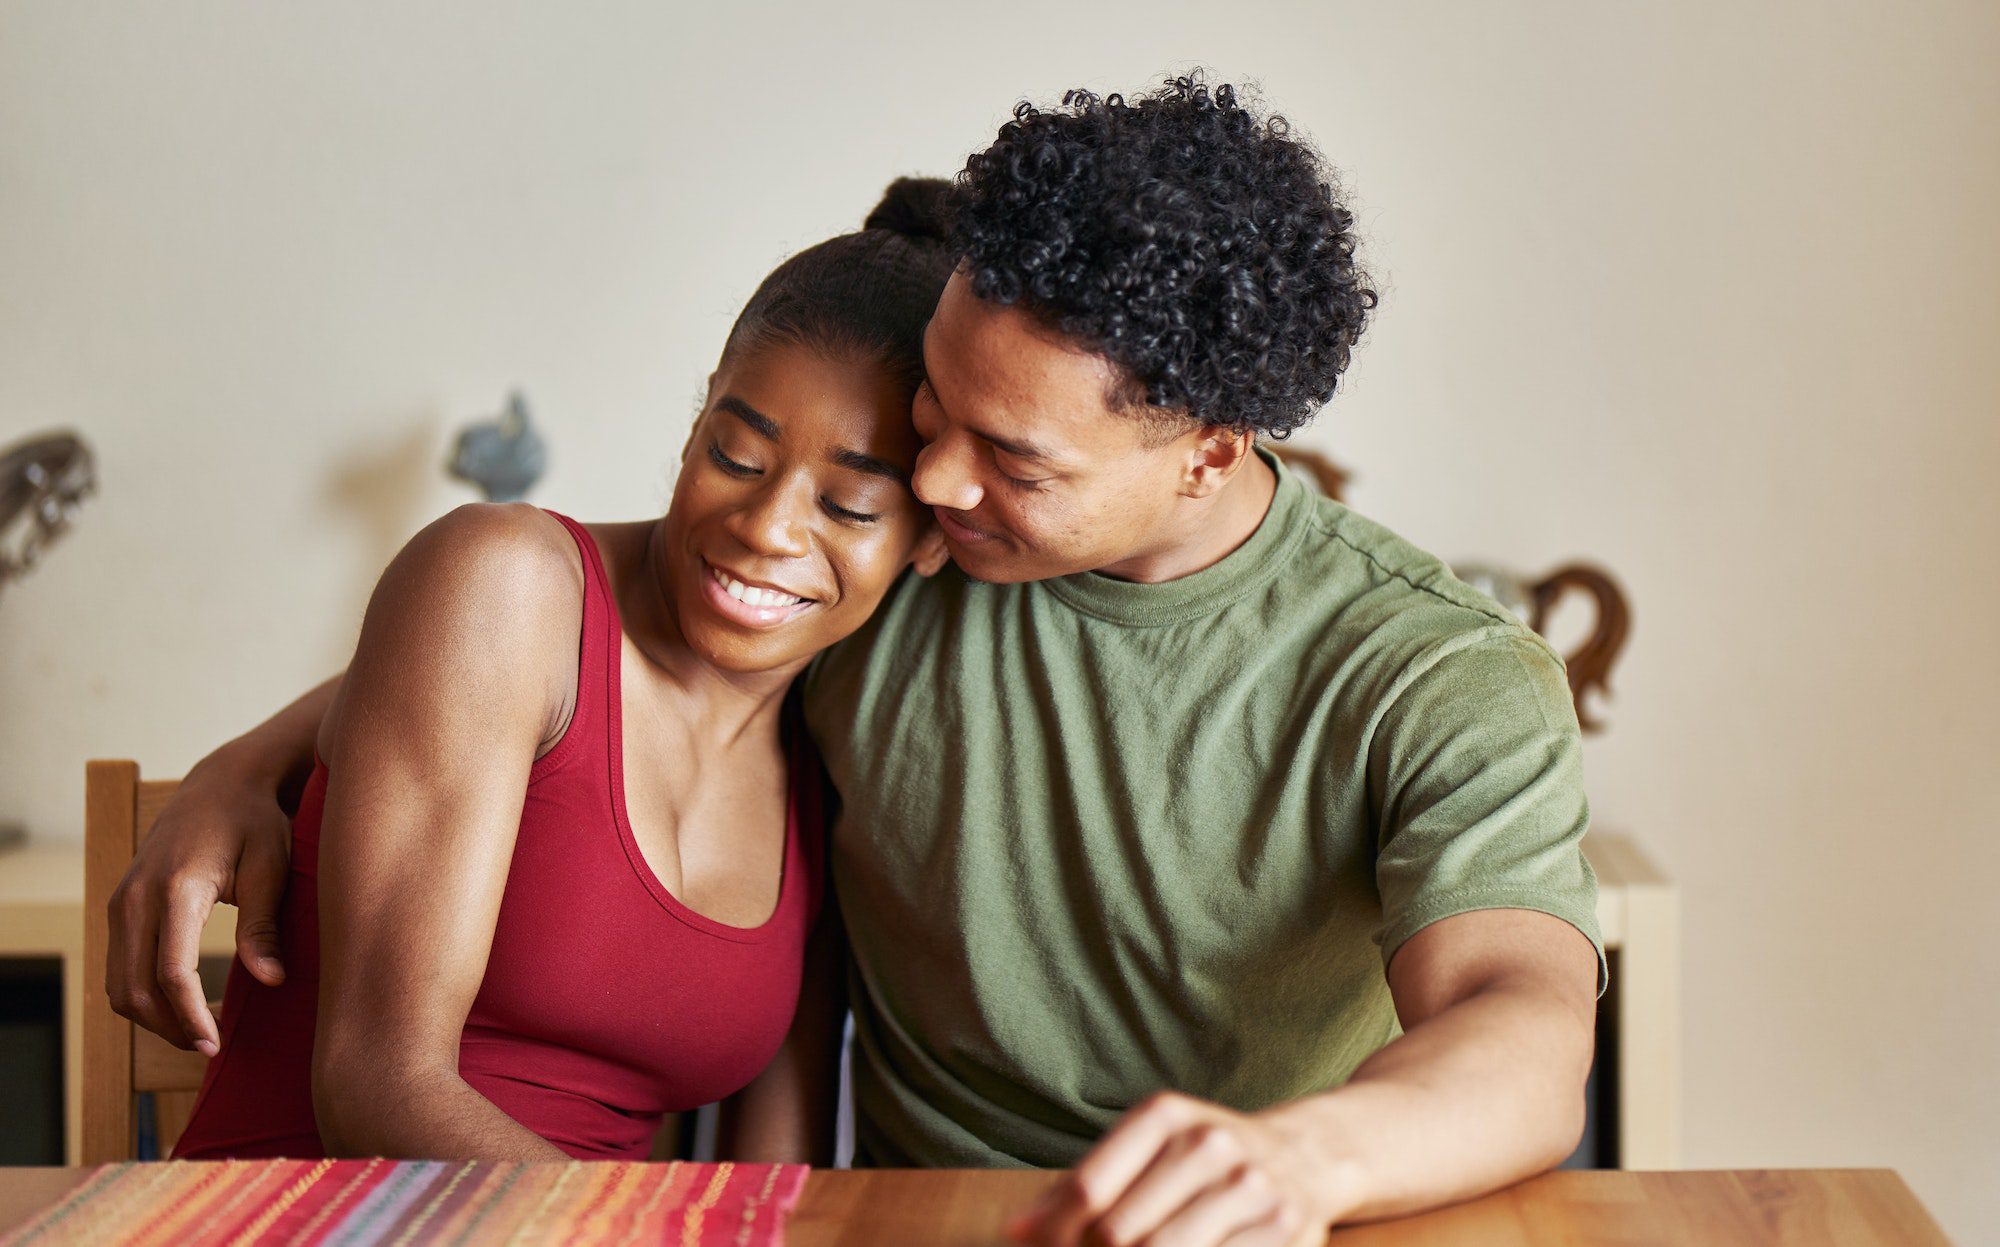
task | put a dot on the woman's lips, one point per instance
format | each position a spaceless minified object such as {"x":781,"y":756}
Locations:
{"x":957,"y":529}
{"x":715,"y":586}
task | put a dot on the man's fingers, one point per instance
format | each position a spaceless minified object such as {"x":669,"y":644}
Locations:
{"x":1240,"y":1210}
{"x":178,"y":965}
{"x":1192,"y":1161}
{"x":260,"y":890}
{"x":130,"y":961}
{"x":1102,"y":1176}
{"x":1121,"y":1156}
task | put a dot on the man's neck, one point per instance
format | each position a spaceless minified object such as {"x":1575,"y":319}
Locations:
{"x":1214,"y":528}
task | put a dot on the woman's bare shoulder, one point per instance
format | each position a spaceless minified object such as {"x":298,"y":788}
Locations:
{"x":483,"y":603}
{"x":509,"y":550}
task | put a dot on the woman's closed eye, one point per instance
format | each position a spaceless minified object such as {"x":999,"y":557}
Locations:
{"x":744,"y":471}
{"x":729,"y":465}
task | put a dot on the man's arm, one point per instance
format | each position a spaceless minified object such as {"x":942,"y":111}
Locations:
{"x":1484,"y":1088}
{"x":224,"y":837}
{"x":1475,"y":766}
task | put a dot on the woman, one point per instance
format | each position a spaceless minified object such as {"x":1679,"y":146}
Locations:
{"x":505,"y":942}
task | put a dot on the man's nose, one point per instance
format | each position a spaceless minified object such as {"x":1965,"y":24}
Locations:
{"x":944,"y":475}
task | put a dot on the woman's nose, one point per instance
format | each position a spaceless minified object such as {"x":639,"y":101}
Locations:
{"x":944,"y":475}
{"x":777,"y":522}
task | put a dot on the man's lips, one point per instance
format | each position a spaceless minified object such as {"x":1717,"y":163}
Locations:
{"x":957,"y":529}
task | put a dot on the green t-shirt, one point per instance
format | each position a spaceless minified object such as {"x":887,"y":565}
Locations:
{"x":1101,"y":838}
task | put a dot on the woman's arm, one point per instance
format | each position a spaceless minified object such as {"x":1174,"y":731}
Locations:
{"x":787,"y":1113}
{"x":225,"y":837}
{"x":463,"y":665}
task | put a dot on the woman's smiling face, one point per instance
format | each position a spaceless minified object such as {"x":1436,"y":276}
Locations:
{"x":792,"y":514}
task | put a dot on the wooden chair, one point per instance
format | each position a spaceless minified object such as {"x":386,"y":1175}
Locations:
{"x":122,"y":1060}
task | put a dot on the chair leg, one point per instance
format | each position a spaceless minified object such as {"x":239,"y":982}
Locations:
{"x":110,"y":835}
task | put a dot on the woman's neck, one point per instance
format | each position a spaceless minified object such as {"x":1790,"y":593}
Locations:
{"x":723,"y":706}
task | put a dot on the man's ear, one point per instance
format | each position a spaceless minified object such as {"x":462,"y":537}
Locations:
{"x":1217,"y":453}
{"x":931,"y":553}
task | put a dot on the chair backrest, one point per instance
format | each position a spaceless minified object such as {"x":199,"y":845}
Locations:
{"x":122,"y":1060}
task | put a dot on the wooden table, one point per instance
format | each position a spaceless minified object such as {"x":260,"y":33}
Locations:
{"x":964,"y":1208}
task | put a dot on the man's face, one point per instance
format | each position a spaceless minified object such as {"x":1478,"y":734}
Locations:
{"x":1030,"y":469}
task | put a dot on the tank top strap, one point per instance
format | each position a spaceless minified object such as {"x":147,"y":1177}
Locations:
{"x":597,"y":656}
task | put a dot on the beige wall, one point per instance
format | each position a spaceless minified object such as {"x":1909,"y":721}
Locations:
{"x":1708,"y":292}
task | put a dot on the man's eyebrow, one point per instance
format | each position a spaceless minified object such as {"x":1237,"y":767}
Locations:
{"x":749,"y":415}
{"x":869,"y":463}
{"x":1020,"y":450}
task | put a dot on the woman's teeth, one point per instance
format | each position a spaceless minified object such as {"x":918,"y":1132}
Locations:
{"x":751,"y":595}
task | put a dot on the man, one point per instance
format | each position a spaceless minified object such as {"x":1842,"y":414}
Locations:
{"x":1186,"y":791}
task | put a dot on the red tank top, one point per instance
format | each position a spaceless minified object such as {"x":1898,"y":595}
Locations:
{"x":606,"y":1002}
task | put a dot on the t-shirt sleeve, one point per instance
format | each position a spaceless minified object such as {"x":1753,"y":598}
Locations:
{"x":1476,"y":772}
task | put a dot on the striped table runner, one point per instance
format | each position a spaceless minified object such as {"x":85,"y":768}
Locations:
{"x":349,"y":1203}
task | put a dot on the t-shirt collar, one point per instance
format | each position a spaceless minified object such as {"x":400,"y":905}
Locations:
{"x":1242,"y":571}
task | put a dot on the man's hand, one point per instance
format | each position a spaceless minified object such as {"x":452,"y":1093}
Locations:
{"x":1483,"y":1089}
{"x":222,"y":838}
{"x":1181,"y":1172}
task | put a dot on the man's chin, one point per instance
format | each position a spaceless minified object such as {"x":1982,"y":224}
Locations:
{"x":988,"y":563}
{"x":992,"y":564}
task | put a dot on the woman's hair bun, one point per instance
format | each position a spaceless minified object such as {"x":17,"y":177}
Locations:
{"x":913,"y":207}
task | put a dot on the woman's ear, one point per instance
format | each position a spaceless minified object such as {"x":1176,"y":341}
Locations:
{"x":931,"y":553}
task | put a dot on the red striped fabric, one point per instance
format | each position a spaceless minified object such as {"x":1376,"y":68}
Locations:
{"x":416,"y":1203}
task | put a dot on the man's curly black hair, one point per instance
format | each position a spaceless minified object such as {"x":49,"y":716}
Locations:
{"x":1203,"y":251}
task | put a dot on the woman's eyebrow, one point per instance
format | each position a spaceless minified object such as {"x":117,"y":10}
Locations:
{"x":749,"y":415}
{"x":869,"y":463}
{"x":853,"y":460}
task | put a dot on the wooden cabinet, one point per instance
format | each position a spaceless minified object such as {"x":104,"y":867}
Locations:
{"x":41,"y":915}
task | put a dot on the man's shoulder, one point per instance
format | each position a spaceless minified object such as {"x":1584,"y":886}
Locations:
{"x":1377,"y":589}
{"x":1357,"y":551}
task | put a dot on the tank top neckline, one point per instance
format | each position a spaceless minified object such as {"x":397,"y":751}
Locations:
{"x":599,"y":602}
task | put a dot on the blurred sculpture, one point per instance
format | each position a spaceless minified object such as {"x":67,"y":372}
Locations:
{"x":1324,"y":474}
{"x":503,"y":456}
{"x":1533,"y":601}
{"x":43,"y":481}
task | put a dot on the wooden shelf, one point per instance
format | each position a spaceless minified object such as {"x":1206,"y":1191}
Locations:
{"x":41,"y":915}
{"x":1639,"y":910}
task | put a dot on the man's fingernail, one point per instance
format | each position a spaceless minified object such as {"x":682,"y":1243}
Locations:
{"x":1026,"y":1223}
{"x":206,"y":1047}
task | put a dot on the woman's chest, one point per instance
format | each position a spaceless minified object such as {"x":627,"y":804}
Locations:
{"x":594,"y":967}
{"x":711,"y":825}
